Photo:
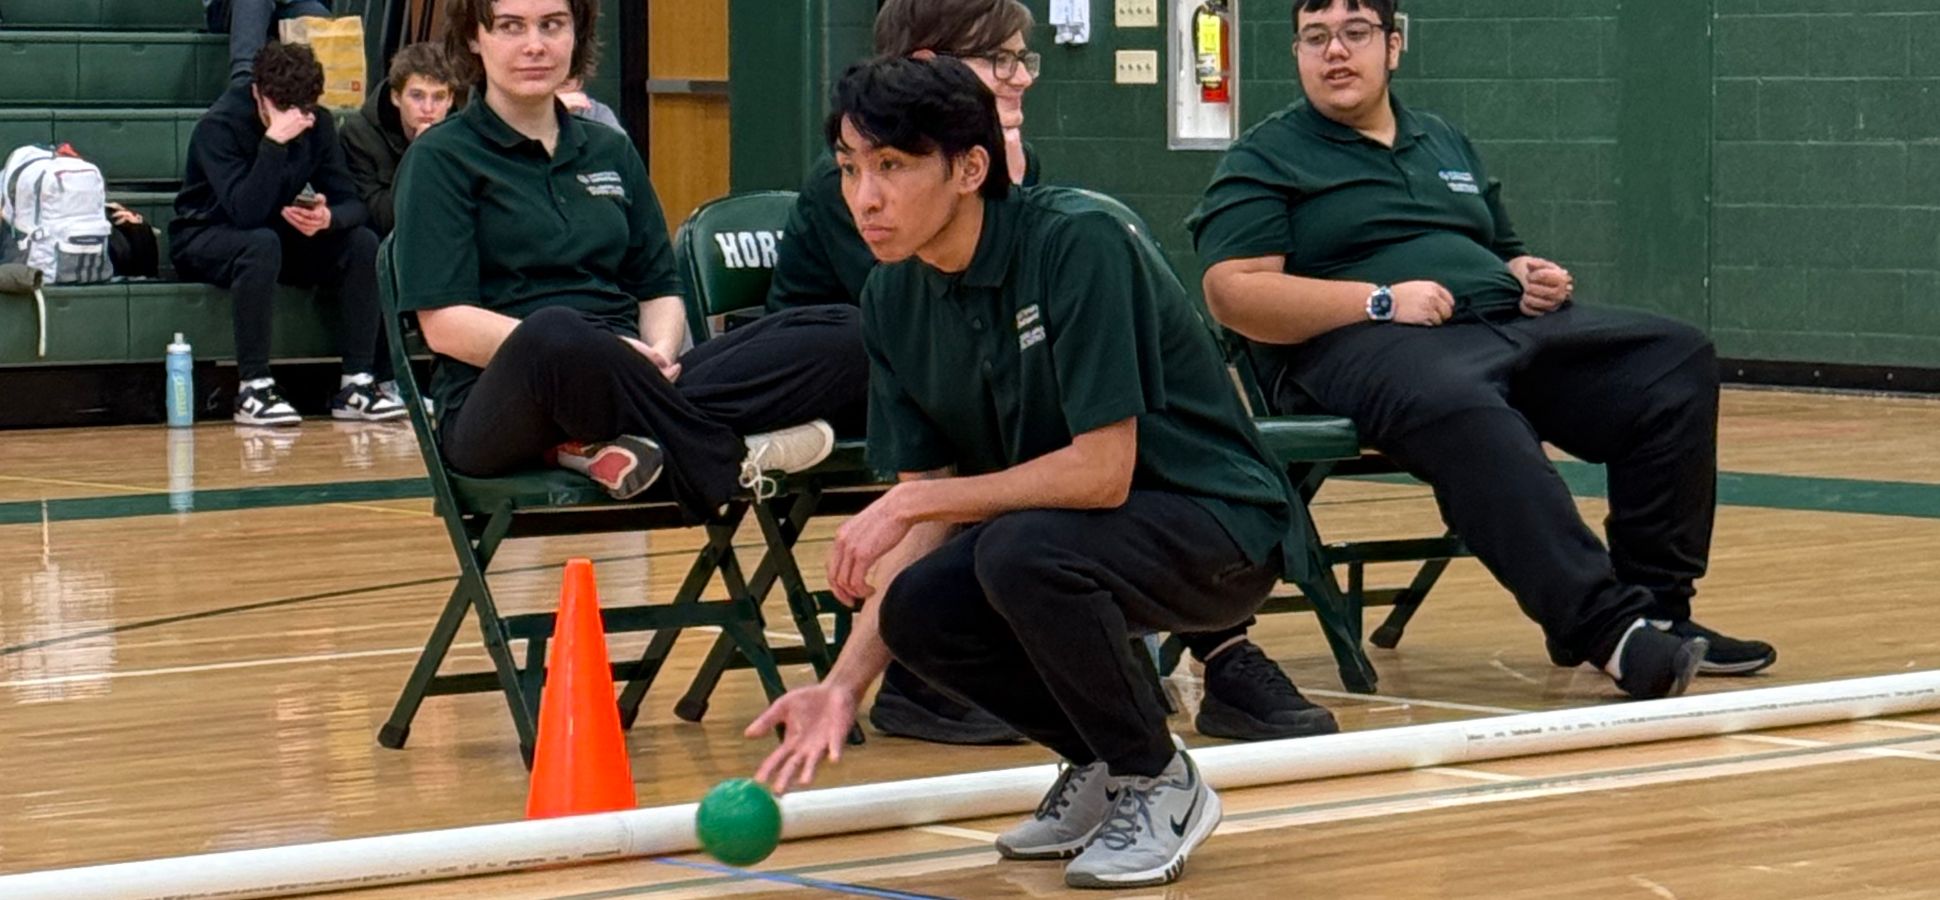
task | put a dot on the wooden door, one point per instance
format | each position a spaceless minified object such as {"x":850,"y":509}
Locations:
{"x":687,"y":72}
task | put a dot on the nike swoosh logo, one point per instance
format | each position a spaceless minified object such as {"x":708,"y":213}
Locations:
{"x":1179,"y":825}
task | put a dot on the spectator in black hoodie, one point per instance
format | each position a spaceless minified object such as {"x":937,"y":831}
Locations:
{"x":419,"y":92}
{"x":266,"y":198}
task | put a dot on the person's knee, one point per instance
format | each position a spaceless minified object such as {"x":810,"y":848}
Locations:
{"x":901,"y":621}
{"x":360,"y":246}
{"x":261,"y":249}
{"x":1017,"y":559}
{"x":555,"y":332}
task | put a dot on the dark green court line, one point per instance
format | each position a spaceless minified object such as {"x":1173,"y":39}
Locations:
{"x":1805,"y":493}
{"x":123,"y":506}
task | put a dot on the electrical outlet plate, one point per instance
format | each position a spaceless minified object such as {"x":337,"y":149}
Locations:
{"x":1135,"y":13}
{"x":1136,"y":67}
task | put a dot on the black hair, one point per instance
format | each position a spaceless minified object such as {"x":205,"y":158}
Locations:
{"x":287,"y":75}
{"x":922,"y":106}
{"x":1382,"y":9}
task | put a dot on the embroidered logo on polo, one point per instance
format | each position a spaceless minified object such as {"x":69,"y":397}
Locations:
{"x":1029,"y":332}
{"x":604,"y":184}
{"x":1459,"y":182}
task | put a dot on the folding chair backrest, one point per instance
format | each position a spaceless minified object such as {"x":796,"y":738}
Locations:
{"x":397,"y":330}
{"x":726,"y":252}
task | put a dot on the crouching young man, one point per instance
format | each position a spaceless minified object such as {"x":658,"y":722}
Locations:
{"x":1075,"y":469}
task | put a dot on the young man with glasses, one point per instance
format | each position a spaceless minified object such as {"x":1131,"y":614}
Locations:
{"x":1361,"y":247}
{"x":823,"y":260}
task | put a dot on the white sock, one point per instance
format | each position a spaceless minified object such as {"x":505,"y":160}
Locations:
{"x":1230,"y":643}
{"x":355,"y":378}
{"x":1615,"y":666}
{"x":259,"y":383}
{"x":1660,"y":624}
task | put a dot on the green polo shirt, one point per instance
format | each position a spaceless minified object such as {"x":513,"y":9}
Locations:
{"x":1341,"y":206}
{"x":1064,"y":323}
{"x":823,"y":258}
{"x":486,"y":218}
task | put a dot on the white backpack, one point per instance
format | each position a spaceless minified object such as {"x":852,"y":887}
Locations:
{"x":56,"y":215}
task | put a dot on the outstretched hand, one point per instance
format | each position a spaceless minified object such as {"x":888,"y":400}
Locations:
{"x":815,"y":721}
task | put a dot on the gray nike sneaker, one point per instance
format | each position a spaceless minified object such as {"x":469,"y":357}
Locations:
{"x":1065,"y":819}
{"x":1154,"y":825}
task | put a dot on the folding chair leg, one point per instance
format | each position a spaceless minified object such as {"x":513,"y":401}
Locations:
{"x":492,"y":631}
{"x":716,"y":555}
{"x":780,"y":536}
{"x":397,"y":729}
{"x":1340,"y":621}
{"x":693,"y":705}
{"x":532,"y":679}
{"x":1407,"y":603}
{"x":747,"y":638}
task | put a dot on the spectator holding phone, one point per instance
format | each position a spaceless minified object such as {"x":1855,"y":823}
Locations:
{"x":267,"y":198}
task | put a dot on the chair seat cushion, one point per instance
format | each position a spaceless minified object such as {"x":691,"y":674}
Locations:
{"x":1294,"y":439}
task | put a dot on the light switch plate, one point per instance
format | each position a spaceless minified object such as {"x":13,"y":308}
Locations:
{"x":1136,"y":67}
{"x":1135,"y":13}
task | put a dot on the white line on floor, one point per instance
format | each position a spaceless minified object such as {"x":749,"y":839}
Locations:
{"x":968,"y":834}
{"x":1471,"y":774}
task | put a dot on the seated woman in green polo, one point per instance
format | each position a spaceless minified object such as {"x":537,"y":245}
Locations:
{"x":535,"y":253}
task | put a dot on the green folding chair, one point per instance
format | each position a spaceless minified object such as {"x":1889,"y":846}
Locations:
{"x":726,"y":252}
{"x":479,"y":514}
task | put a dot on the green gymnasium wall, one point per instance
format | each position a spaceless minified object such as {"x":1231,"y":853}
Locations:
{"x":1769,"y":169}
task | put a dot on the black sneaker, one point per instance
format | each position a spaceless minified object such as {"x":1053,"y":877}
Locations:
{"x":262,"y":405}
{"x":1249,"y":698}
{"x":1727,"y":655}
{"x":908,"y":707}
{"x":1659,"y":664}
{"x":361,"y":401}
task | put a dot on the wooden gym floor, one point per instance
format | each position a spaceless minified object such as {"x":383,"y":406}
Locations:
{"x":208,"y":677}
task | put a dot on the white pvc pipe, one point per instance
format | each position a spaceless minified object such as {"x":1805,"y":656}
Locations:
{"x":452,"y":853}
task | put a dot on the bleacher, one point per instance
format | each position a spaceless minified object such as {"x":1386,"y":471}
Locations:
{"x":124,"y":82}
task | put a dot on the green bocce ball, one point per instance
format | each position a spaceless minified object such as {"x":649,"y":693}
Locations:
{"x":738,"y":822}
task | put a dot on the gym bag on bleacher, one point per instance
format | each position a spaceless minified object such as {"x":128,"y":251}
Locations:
{"x":55,"y":215}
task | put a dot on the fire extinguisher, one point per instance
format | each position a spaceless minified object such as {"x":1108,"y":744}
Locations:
{"x":1212,"y":40}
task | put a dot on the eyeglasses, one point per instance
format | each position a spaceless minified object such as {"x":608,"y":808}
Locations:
{"x":1354,"y":36}
{"x":1004,"y":63}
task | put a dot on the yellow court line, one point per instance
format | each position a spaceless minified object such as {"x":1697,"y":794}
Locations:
{"x":98,"y":485}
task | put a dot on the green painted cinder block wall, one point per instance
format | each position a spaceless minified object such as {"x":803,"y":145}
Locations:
{"x":1767,"y":169}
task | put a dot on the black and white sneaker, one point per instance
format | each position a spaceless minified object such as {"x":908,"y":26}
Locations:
{"x":1154,"y":824}
{"x":258,"y":403}
{"x":1725,"y":655}
{"x":361,"y":401}
{"x":1656,"y":664}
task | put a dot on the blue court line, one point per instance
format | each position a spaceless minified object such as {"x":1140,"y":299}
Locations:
{"x":798,"y":880}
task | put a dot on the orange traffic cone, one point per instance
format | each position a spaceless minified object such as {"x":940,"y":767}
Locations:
{"x":580,"y":764}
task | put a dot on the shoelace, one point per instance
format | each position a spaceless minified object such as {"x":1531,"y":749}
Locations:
{"x":1130,"y":816}
{"x":752,"y":478}
{"x":1059,"y":797}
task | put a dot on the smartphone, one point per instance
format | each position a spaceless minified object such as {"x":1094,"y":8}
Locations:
{"x":307,"y":199}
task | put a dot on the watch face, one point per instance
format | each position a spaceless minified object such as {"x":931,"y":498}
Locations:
{"x":1380,"y":305}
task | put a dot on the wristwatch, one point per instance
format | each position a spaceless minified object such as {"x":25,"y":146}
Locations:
{"x":1380,"y":304}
